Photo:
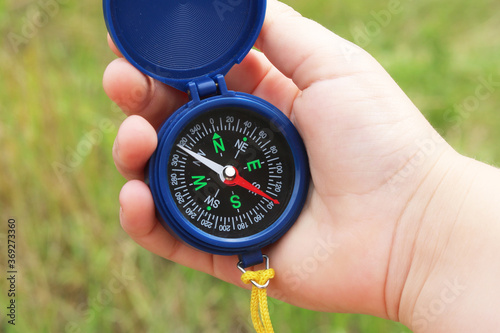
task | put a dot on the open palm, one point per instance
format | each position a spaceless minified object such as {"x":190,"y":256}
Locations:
{"x":362,"y":135}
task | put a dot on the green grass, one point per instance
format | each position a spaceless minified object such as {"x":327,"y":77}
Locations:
{"x":70,"y":244}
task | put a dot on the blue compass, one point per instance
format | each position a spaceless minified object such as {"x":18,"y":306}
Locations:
{"x":230,"y":173}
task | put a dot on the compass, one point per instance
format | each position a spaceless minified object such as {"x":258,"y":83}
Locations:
{"x":230,"y":173}
{"x":230,"y":177}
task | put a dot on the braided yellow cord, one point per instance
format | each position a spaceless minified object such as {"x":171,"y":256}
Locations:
{"x":262,"y":324}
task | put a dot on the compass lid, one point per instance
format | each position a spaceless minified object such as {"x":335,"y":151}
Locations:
{"x":179,"y":41}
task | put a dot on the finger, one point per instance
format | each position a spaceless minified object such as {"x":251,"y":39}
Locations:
{"x":305,"y":51}
{"x":138,"y":94}
{"x":257,"y":76}
{"x":137,"y":217}
{"x":113,"y":47}
{"x":134,"y":144}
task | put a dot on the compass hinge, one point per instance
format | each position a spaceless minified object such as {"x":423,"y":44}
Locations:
{"x":207,"y":87}
{"x":251,"y":259}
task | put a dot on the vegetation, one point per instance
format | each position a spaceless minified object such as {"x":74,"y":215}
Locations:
{"x":78,"y":271}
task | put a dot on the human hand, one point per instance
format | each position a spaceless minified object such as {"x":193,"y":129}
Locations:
{"x":371,"y":153}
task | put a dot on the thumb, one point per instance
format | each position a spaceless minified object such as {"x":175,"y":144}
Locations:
{"x":307,"y":52}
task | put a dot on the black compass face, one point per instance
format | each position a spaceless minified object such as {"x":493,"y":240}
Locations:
{"x":231,"y":172}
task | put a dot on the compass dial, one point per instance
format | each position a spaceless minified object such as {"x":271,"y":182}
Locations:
{"x":231,"y":172}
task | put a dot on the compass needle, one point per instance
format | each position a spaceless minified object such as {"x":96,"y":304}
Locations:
{"x":217,"y":168}
{"x":240,"y":181}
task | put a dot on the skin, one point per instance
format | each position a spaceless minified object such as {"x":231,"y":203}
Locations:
{"x":396,"y":225}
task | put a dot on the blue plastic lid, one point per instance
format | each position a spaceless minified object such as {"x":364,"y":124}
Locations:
{"x":179,"y":41}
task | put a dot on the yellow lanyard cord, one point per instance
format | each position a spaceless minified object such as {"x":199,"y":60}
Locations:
{"x":260,"y":281}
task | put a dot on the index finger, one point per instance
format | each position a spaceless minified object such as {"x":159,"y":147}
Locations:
{"x":305,"y":51}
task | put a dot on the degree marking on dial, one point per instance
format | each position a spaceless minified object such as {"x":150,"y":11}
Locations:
{"x":273,"y":159}
{"x":238,"y":125}
{"x":204,"y":128}
{"x":251,"y":135}
{"x":249,"y":219}
{"x":187,"y":203}
{"x":262,"y":207}
{"x":189,"y":136}
{"x":265,"y":144}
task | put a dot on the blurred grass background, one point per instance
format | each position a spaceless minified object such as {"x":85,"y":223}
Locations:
{"x":78,"y":271}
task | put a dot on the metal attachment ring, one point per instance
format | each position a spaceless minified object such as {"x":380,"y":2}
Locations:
{"x":268,"y":265}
